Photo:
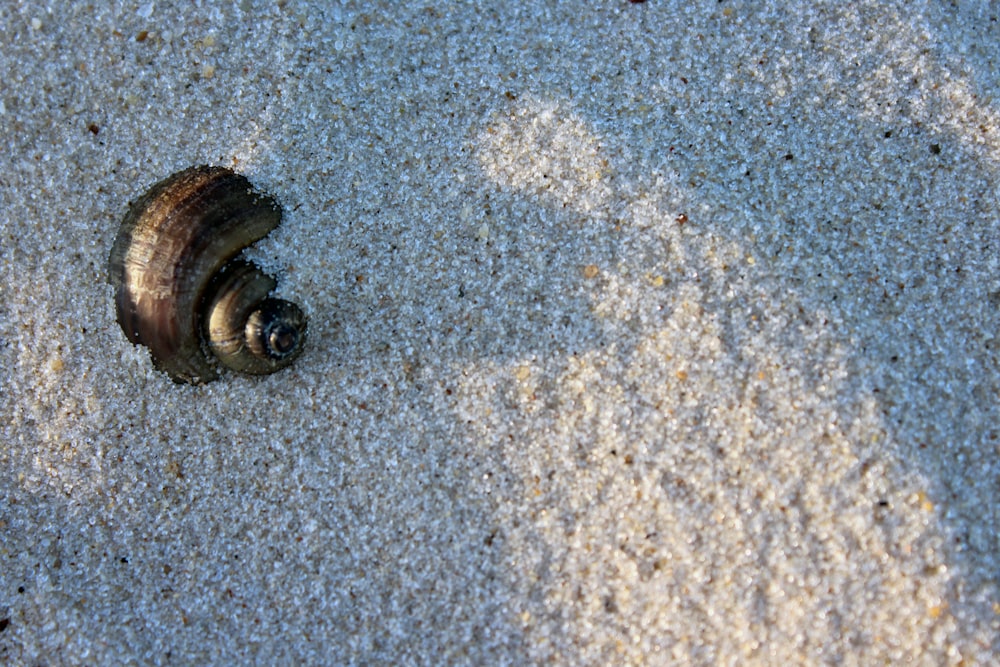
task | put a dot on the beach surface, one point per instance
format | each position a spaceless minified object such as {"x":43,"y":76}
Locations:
{"x":639,"y":334}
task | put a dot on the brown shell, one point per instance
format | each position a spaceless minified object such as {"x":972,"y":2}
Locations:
{"x":172,"y":244}
{"x":247,"y":330}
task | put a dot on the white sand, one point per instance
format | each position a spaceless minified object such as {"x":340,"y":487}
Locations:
{"x":639,"y":335}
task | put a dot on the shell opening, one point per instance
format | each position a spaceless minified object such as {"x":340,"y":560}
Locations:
{"x":275,"y":330}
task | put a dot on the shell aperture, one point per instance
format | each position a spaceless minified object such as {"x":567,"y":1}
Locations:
{"x":181,"y":289}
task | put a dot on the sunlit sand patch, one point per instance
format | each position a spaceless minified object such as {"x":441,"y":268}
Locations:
{"x":904,"y":76}
{"x":720,"y":484}
{"x":542,"y":148}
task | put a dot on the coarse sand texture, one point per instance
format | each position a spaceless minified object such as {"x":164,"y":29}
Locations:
{"x":647,"y":333}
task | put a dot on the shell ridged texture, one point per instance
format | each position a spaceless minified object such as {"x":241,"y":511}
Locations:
{"x":171,"y":244}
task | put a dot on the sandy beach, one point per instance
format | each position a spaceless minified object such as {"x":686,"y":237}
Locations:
{"x":639,"y":334}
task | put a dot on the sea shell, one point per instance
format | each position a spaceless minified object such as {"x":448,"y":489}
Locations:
{"x":181,"y":288}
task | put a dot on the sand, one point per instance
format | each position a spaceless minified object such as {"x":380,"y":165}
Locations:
{"x":638,"y":335}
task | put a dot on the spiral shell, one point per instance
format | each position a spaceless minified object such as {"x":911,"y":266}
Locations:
{"x":181,"y":289}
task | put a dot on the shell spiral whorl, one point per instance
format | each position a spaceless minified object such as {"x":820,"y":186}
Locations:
{"x":181,"y":289}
